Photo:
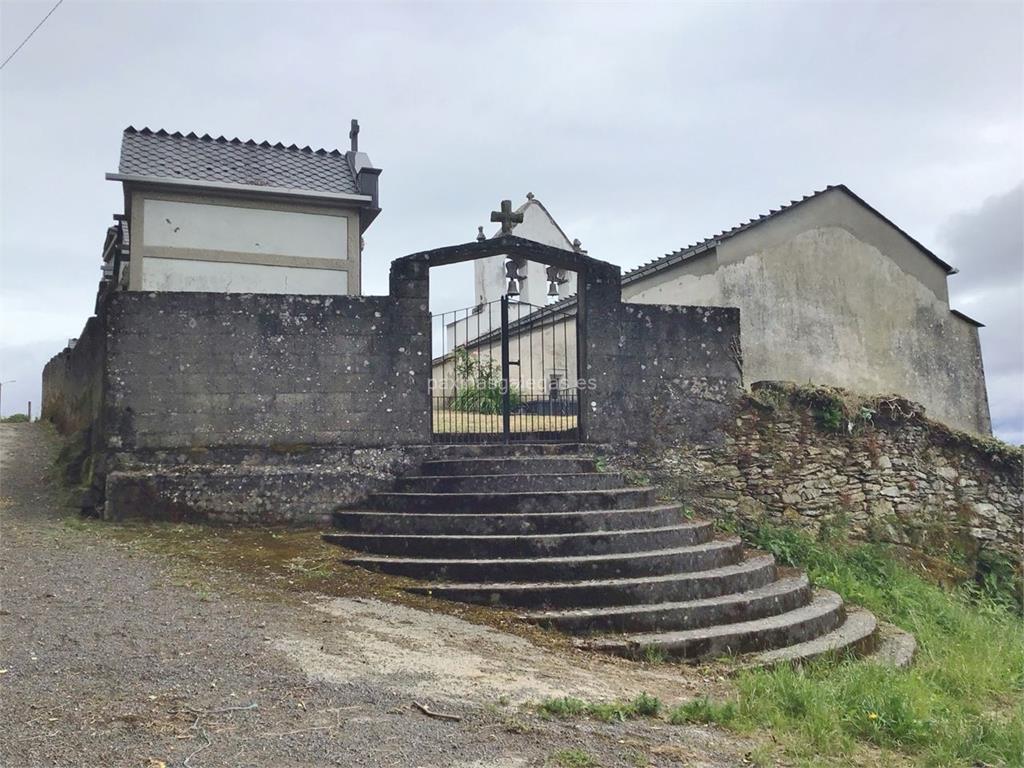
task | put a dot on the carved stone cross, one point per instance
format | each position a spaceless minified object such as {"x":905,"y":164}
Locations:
{"x":507,"y":217}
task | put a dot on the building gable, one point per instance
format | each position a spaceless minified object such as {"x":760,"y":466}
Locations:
{"x":836,"y":195}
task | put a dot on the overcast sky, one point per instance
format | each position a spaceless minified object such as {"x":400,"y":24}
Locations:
{"x":642,"y":127}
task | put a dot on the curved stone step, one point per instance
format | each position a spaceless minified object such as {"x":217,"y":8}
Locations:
{"x":526,"y":501}
{"x":700,"y":557}
{"x":743,"y":576}
{"x":546,"y":545}
{"x":855,"y":635}
{"x":531,"y":523}
{"x":819,"y":617}
{"x":512,"y":465}
{"x":577,"y":481}
{"x":781,"y":596}
{"x":893,"y":647}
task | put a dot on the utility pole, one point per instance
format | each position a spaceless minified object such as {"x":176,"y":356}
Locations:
{"x":9,"y":381}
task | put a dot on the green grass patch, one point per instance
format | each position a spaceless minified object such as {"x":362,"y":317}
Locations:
{"x":572,"y":758}
{"x":961,"y":703}
{"x":609,"y":711}
{"x":703,"y":711}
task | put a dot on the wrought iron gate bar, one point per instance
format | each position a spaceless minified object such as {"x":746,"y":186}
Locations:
{"x":473,"y":395}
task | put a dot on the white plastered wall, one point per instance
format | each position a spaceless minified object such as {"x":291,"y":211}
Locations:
{"x":202,"y":242}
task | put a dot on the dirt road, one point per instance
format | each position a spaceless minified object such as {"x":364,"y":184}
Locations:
{"x":154,"y":646}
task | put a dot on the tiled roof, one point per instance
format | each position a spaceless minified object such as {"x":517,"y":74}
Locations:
{"x":232,"y":161}
{"x":705,"y":245}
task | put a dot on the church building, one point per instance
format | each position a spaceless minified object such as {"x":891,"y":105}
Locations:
{"x":831,"y":292}
{"x":537,"y":224}
{"x":232,"y":216}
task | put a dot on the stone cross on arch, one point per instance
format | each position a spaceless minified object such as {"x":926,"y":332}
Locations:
{"x":507,"y":217}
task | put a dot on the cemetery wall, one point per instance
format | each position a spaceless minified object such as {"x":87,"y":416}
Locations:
{"x":198,"y":370}
{"x":73,"y":381}
{"x":660,"y":373}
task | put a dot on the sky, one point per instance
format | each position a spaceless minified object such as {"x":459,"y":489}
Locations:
{"x":642,"y":127}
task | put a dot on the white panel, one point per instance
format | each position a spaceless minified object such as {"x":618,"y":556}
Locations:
{"x":226,"y":277}
{"x":244,"y":230}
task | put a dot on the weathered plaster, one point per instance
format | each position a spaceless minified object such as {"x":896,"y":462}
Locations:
{"x":821,"y":302}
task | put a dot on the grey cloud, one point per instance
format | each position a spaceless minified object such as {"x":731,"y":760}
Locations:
{"x":642,"y":127}
{"x":988,"y":245}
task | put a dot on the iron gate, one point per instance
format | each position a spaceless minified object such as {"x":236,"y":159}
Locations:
{"x":505,"y":371}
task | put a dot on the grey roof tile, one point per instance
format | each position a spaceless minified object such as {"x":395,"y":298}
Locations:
{"x":233,"y":161}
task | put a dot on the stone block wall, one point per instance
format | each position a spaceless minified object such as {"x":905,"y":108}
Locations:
{"x":203,"y":370}
{"x":73,"y":381}
{"x":661,"y":374}
{"x":240,"y":407}
{"x":283,"y":485}
{"x":881,"y":469}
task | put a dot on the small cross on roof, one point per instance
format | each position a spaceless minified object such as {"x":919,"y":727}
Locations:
{"x":507,"y":217}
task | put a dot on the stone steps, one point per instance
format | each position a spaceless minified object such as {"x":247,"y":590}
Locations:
{"x":819,"y":617}
{"x":544,"y":545}
{"x":780,"y":596}
{"x":481,"y":483}
{"x":514,"y":465}
{"x":593,"y":593}
{"x":514,"y":501}
{"x":539,"y":528}
{"x":514,"y":523}
{"x":507,"y":450}
{"x":857,"y":635}
{"x":657,"y":562}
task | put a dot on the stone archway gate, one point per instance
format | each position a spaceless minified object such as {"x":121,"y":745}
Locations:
{"x":650,"y":371}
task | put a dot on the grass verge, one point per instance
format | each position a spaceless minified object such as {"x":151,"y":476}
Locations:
{"x":961,"y":703}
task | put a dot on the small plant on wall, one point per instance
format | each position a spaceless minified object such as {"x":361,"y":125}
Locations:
{"x":478,"y":385}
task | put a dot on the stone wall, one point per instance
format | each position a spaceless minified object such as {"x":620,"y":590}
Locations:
{"x":73,"y":381}
{"x":282,"y":485}
{"x":877,"y":466}
{"x":243,"y":407}
{"x":660,"y":373}
{"x":203,"y":369}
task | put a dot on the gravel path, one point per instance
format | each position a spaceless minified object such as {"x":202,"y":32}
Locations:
{"x":110,"y":657}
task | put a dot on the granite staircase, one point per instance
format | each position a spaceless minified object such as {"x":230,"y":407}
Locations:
{"x":540,"y":529}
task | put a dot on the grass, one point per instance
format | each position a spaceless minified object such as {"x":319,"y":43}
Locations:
{"x":703,"y":711}
{"x":609,"y":711}
{"x":961,"y":703}
{"x":572,"y":758}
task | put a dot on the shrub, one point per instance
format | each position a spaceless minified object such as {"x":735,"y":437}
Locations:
{"x":478,"y":385}
{"x":16,"y":418}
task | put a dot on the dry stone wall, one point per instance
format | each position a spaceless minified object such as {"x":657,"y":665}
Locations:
{"x":880,"y":468}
